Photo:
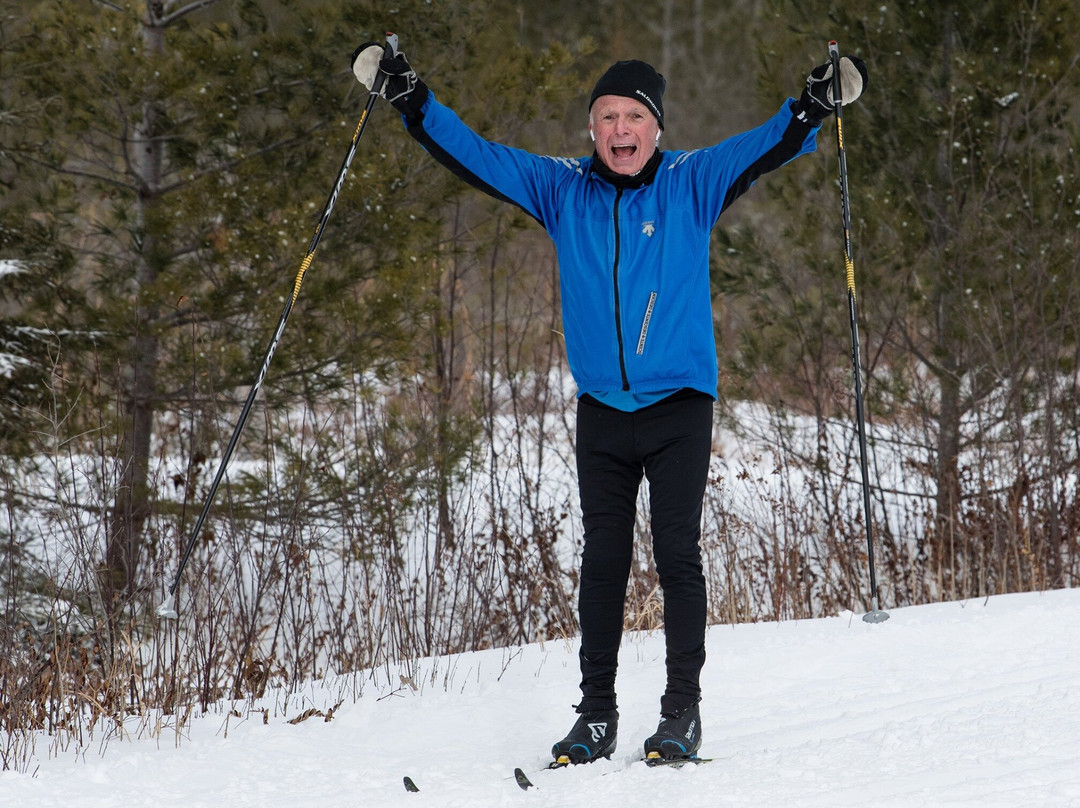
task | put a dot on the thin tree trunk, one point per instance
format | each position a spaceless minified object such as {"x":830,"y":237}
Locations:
{"x":948,"y":555}
{"x":138,"y":381}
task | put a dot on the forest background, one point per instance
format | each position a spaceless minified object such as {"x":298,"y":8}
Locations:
{"x":405,"y":485}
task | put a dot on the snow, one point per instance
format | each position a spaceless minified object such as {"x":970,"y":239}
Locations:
{"x":9,"y":267}
{"x":953,"y":704}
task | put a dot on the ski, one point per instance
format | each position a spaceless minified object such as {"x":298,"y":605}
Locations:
{"x":654,"y":761}
{"x":522,"y":779}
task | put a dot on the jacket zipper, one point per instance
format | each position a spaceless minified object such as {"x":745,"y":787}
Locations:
{"x":615,"y":281}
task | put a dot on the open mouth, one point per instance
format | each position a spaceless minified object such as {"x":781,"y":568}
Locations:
{"x":622,"y":152}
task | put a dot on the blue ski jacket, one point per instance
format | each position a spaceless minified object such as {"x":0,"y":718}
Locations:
{"x":633,"y":262}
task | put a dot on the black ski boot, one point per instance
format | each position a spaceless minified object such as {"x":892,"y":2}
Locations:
{"x":678,"y":736}
{"x":592,"y":736}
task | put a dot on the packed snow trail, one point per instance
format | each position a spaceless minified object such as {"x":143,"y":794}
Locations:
{"x":956,"y":704}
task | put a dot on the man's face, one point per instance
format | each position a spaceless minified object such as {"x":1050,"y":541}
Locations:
{"x":625,"y":132}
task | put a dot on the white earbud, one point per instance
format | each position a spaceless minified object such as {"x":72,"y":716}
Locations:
{"x":658,"y":137}
{"x":592,"y":135}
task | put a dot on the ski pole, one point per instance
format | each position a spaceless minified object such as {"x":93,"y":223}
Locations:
{"x":166,"y":609}
{"x":875,"y":615}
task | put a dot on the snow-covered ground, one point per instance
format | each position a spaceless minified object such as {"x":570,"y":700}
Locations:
{"x":954,"y":704}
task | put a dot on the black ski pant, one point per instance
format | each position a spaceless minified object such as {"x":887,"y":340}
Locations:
{"x":670,"y":444}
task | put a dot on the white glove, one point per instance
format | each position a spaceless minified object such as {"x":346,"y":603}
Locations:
{"x":365,"y":64}
{"x":853,"y":80}
{"x":817,"y":103}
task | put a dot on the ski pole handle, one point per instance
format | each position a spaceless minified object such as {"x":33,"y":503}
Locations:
{"x":390,"y":50}
{"x":837,"y":85}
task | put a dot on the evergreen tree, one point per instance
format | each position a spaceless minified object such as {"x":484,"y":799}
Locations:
{"x":174,"y":163}
{"x":964,"y":180}
{"x":163,"y":188}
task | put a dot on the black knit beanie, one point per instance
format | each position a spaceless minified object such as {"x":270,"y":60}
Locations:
{"x":633,"y":79}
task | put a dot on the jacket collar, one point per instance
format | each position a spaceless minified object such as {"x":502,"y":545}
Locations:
{"x":625,"y":181}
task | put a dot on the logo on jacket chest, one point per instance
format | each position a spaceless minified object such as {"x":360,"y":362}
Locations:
{"x":648,"y":228}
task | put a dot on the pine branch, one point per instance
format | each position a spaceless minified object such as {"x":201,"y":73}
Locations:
{"x":169,"y":19}
{"x":217,"y":168}
{"x":74,"y":172}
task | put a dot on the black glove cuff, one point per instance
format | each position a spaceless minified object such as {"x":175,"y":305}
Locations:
{"x":809,"y":110}
{"x":411,"y":105}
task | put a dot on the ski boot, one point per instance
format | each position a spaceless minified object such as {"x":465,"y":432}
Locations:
{"x":677,"y":737}
{"x":593,"y":736}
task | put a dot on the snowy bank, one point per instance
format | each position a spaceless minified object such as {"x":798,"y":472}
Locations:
{"x":954,"y":704}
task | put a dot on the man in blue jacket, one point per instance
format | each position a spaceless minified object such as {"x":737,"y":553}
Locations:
{"x":631,"y":226}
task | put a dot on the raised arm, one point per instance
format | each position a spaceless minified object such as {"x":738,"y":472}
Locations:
{"x":511,"y":175}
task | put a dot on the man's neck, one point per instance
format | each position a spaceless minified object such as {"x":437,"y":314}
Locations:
{"x":636,"y":180}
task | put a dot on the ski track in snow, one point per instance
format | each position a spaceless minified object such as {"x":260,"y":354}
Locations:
{"x":955,"y":704}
